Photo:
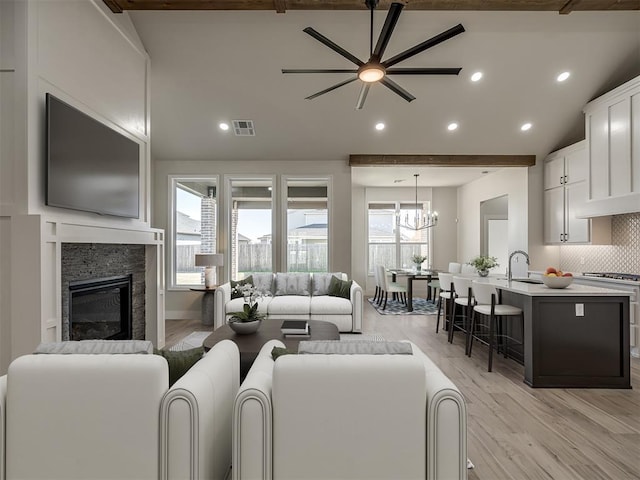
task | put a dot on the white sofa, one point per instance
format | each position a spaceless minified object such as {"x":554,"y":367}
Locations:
{"x":348,"y":417}
{"x":114,"y":417}
{"x":345,"y":313}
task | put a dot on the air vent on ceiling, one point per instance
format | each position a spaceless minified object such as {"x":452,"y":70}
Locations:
{"x":244,"y":128}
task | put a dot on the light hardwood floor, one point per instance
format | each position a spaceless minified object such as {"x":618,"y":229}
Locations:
{"x":516,"y":432}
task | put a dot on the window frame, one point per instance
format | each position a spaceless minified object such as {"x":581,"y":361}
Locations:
{"x":284,"y":209}
{"x":398,"y":242}
{"x":173,"y":181}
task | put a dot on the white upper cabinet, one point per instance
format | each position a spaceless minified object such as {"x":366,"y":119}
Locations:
{"x":566,"y":188}
{"x":613,"y":138}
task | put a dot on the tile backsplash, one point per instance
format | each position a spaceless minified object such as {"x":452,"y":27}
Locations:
{"x":622,"y":256}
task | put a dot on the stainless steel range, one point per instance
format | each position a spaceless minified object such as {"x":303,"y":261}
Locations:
{"x":621,"y":281}
{"x":633,"y":277}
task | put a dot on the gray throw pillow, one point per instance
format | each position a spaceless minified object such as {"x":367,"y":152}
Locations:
{"x":293,"y":284}
{"x":321,"y":282}
{"x":263,"y":283}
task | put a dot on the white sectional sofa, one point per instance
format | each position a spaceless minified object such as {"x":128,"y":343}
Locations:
{"x":101,"y":416}
{"x":296,"y":296}
{"x":348,"y":417}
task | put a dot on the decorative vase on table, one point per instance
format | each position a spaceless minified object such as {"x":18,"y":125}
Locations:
{"x":244,"y":328}
{"x":418,"y":267}
{"x":249,"y":319}
{"x":483,"y":273}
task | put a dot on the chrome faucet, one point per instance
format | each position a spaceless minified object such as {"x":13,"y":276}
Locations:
{"x":511,"y":255}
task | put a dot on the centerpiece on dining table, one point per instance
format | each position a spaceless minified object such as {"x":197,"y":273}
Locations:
{"x":418,"y":260}
{"x":248,"y":320}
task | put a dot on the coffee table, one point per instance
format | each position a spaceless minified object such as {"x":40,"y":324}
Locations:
{"x":250,"y":345}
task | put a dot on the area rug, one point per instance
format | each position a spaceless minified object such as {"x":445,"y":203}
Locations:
{"x":193,"y":340}
{"x":394,"y":307}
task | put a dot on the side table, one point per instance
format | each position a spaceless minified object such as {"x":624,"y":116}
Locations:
{"x":207,"y":304}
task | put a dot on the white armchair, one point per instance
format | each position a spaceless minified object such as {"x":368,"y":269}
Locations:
{"x":348,"y":417}
{"x":114,"y":417}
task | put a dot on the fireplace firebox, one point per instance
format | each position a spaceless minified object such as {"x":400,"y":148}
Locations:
{"x":101,"y":309}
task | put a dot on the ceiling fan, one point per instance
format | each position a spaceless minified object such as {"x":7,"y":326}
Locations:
{"x":376,"y":70}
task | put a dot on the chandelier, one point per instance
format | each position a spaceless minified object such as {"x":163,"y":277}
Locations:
{"x":420,"y":220}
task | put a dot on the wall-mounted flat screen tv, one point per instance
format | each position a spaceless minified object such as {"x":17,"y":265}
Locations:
{"x":90,"y":167}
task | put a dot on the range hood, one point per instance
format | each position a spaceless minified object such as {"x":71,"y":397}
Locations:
{"x":609,"y":206}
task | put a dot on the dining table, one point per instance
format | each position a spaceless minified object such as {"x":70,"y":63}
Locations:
{"x":413,"y":275}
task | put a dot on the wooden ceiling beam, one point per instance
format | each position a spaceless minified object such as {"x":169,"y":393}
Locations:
{"x":562,"y":6}
{"x":364,"y":160}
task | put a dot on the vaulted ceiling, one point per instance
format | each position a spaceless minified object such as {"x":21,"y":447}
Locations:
{"x":223,"y":64}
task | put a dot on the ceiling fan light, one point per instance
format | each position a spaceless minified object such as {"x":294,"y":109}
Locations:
{"x":370,"y":73}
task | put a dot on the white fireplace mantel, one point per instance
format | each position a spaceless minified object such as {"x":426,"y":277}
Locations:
{"x":36,"y":304}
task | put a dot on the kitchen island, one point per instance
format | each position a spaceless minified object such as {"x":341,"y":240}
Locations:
{"x":572,"y":337}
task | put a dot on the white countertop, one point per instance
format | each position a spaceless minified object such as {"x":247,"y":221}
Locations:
{"x":541,"y":290}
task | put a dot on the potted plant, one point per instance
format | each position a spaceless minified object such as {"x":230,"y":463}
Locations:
{"x":418,"y":259}
{"x":483,"y":263}
{"x":248,"y":320}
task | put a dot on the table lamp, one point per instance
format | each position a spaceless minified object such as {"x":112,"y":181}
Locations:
{"x":208,"y":261}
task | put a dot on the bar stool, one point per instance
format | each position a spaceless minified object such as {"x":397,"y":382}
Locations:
{"x":463,"y":297}
{"x":454,"y":267}
{"x":486,"y":295}
{"x":467,"y":269}
{"x":446,"y":286}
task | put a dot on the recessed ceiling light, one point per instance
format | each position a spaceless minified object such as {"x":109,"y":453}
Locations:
{"x":563,"y":76}
{"x":476,"y":76}
{"x":398,"y":180}
{"x":223,"y":126}
{"x":380,"y":126}
{"x":526,"y":126}
{"x":484,"y":172}
{"x":452,"y":126}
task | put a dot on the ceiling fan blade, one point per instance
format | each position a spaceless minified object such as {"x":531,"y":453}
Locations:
{"x":333,"y":46}
{"x":363,"y":95}
{"x":319,"y":70}
{"x":387,"y":29}
{"x":421,"y":47}
{"x":394,"y":87}
{"x":423,"y":71}
{"x":327,"y":90}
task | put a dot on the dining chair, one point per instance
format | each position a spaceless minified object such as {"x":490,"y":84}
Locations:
{"x":377,"y":280}
{"x":463,"y":297}
{"x":390,"y":287}
{"x":486,"y":296}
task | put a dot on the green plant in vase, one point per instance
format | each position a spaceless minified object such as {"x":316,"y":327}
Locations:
{"x":418,"y":259}
{"x":483,"y":263}
{"x":248,"y":320}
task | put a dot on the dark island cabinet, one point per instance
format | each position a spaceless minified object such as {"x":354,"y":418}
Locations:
{"x":574,"y":341}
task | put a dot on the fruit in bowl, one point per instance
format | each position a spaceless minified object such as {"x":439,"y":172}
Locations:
{"x":556,"y":278}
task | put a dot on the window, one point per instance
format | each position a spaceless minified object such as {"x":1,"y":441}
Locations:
{"x":390,"y":242}
{"x":307,"y":225}
{"x":193,"y":227}
{"x":251,"y":229}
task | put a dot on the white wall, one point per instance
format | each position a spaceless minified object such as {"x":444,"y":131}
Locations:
{"x":183,"y":303}
{"x":508,"y":181}
{"x":92,"y":59}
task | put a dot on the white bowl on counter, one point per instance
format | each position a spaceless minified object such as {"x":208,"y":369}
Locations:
{"x":557,"y":282}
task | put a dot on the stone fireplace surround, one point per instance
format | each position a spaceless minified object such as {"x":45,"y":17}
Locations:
{"x":88,"y":261}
